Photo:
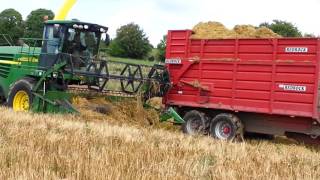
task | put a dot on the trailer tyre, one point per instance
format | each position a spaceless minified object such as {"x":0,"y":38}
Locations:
{"x":20,"y":95}
{"x":195,"y":123}
{"x":226,"y":127}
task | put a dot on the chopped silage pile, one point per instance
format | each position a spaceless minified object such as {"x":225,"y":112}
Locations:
{"x":209,"y":30}
{"x":244,"y":31}
{"x":123,"y":111}
{"x":216,"y":30}
{"x":265,"y":32}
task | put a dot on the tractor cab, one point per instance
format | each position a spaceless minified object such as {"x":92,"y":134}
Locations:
{"x":74,"y":41}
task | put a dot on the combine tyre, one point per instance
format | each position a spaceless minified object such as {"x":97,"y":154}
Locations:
{"x":195,"y":123}
{"x":20,"y":95}
{"x":226,"y":127}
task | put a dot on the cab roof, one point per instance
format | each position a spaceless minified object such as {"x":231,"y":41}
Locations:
{"x":74,"y":22}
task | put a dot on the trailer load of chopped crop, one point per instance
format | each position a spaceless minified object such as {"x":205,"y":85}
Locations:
{"x":210,"y":30}
{"x":265,"y":32}
{"x":216,"y":30}
{"x":245,"y":31}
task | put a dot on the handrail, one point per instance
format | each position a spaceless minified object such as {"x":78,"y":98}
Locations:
{"x":30,"y":45}
{"x":7,"y":38}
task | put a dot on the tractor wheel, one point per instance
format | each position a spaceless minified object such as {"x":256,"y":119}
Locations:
{"x":226,"y":127}
{"x":195,"y":123}
{"x":20,"y":95}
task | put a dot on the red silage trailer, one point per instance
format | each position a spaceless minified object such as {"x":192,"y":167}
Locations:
{"x":227,"y":87}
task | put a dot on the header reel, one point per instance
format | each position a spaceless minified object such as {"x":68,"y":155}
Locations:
{"x":100,"y":77}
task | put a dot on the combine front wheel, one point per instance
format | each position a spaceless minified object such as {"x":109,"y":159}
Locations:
{"x":20,"y":95}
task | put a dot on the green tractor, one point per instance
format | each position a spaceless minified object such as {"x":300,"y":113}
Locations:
{"x":38,"y":74}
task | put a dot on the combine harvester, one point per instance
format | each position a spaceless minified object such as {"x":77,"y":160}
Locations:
{"x":222,"y":87}
{"x":44,"y":79}
{"x":44,"y":76}
{"x":38,"y":78}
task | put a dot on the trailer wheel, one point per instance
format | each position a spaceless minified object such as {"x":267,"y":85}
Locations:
{"x":226,"y":127}
{"x":20,"y":95}
{"x":195,"y":123}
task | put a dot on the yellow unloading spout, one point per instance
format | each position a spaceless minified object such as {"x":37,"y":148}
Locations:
{"x":68,"y":4}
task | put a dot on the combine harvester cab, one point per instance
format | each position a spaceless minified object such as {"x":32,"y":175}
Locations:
{"x":228,"y":87}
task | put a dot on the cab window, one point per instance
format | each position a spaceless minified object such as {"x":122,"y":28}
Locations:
{"x":52,"y":39}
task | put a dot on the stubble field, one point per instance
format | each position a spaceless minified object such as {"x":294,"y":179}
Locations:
{"x":38,"y":146}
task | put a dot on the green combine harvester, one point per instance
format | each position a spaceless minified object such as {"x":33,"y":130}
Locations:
{"x":36,"y":75}
{"x":43,"y":74}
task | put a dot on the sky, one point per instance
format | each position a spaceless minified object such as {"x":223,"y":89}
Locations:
{"x":156,"y":17}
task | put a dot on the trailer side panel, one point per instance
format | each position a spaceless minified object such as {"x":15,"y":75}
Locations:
{"x":273,"y":76}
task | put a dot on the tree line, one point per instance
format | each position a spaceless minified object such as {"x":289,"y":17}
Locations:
{"x":12,"y":23}
{"x":130,"y":41}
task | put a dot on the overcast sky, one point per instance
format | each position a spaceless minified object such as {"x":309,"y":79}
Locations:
{"x":158,"y":16}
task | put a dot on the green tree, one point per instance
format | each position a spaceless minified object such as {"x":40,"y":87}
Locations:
{"x":35,"y":22}
{"x":283,"y":28}
{"x":161,"y":49}
{"x":130,"y":42}
{"x":11,"y":23}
